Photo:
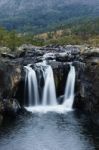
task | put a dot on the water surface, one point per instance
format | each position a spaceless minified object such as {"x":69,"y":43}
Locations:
{"x":49,"y":131}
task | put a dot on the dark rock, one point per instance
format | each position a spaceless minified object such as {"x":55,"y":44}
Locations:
{"x":49,"y":56}
{"x":1,"y":119}
{"x":87,"y":85}
{"x":91,"y":54}
{"x":9,"y":107}
{"x":60,"y":74}
{"x":63,"y":57}
{"x":10,"y":56}
{"x":10,"y":75}
{"x":22,"y":54}
{"x":60,"y":99}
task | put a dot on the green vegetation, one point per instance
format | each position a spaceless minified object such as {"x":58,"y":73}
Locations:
{"x":12,"y":39}
{"x":43,"y":19}
{"x":80,"y":32}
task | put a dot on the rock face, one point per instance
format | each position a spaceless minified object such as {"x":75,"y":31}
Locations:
{"x":86,"y":62}
{"x":88,"y":94}
{"x":10,"y":75}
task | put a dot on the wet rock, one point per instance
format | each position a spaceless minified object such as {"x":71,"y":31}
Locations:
{"x":60,"y":74}
{"x":60,"y":99}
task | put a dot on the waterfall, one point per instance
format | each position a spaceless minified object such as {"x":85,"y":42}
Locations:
{"x":47,"y":100}
{"x":69,"y":90}
{"x":49,"y":93}
{"x":31,"y":83}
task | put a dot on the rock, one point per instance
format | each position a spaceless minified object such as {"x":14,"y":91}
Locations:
{"x":26,"y":47}
{"x":95,"y":118}
{"x":5,"y":50}
{"x":60,"y":74}
{"x":10,"y":56}
{"x":49,"y":56}
{"x":1,"y":119}
{"x":87,"y":95}
{"x":9,"y":107}
{"x":22,"y":54}
{"x":1,"y":106}
{"x":64,"y":57}
{"x":10,"y":76}
{"x":73,"y":49}
{"x":91,"y":54}
{"x":60,"y":99}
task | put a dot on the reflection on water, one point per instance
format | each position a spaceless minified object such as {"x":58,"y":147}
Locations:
{"x":50,"y":131}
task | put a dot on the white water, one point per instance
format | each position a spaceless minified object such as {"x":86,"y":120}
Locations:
{"x":31,"y":80}
{"x":61,"y":109}
{"x":70,"y":87}
{"x":49,"y":101}
{"x":49,"y":93}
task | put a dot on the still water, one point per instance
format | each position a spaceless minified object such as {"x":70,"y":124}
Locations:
{"x":49,"y":131}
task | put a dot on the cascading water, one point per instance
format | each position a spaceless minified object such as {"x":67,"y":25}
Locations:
{"x":69,"y":90}
{"x":31,"y":82}
{"x":48,"y":100}
{"x":49,"y":94}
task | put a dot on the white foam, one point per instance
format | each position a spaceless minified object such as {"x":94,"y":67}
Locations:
{"x":42,"y":109}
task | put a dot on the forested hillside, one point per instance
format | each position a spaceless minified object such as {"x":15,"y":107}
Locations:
{"x":43,"y":15}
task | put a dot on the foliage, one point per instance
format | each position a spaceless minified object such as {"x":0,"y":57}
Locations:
{"x":80,"y":32}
